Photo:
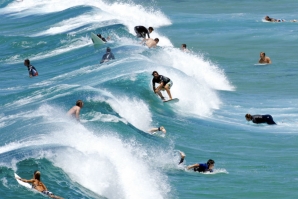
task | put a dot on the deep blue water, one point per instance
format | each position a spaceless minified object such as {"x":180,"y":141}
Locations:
{"x":110,"y":154}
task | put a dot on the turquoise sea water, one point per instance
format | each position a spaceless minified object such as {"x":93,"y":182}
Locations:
{"x":110,"y":153}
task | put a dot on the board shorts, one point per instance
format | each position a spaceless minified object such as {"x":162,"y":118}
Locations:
{"x":48,"y":193}
{"x":170,"y":83}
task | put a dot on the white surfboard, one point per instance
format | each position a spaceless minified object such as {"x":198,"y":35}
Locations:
{"x":96,"y":40}
{"x":25,"y":184}
{"x":172,"y":100}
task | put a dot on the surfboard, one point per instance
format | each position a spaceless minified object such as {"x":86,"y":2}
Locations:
{"x":172,"y":100}
{"x":96,"y":40}
{"x":25,"y":184}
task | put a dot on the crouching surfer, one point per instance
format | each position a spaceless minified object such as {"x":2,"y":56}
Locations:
{"x":39,"y":186}
{"x":260,"y":119}
{"x":31,"y":69}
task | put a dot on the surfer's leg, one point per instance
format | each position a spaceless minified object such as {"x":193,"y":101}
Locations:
{"x":159,"y":93}
{"x":270,"y":120}
{"x":182,"y":156}
{"x":167,"y":88}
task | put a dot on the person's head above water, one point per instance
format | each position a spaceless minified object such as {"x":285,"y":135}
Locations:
{"x":26,"y":62}
{"x":210,"y":163}
{"x":80,"y":103}
{"x":183,"y":45}
{"x":262,"y":54}
{"x":150,"y":29}
{"x":36,"y":175}
{"x":99,"y":35}
{"x":108,"y":49}
{"x":248,"y":117}
{"x":156,"y":40}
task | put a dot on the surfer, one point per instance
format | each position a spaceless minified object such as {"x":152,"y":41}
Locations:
{"x":264,"y":59}
{"x":141,"y":31}
{"x":106,"y":57}
{"x":267,"y":18}
{"x":75,"y":110}
{"x":151,"y":42}
{"x":39,"y":186}
{"x":183,"y":48}
{"x":164,"y":84}
{"x":32,"y":70}
{"x":260,"y":118}
{"x":161,"y":128}
{"x":102,"y":38}
{"x":202,"y":167}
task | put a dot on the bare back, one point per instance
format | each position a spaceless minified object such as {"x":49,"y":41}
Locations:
{"x":150,"y":43}
{"x":75,"y":112}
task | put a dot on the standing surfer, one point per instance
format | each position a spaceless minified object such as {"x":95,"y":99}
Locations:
{"x":164,"y":82}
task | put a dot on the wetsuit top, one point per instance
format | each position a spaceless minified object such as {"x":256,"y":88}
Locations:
{"x":202,"y":168}
{"x":107,"y":56}
{"x":160,"y":79}
{"x":32,"y":70}
{"x":142,"y":30}
{"x":262,"y":119}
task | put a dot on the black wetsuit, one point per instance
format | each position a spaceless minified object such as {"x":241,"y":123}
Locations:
{"x":102,"y":38}
{"x":32,"y":70}
{"x":107,"y":57}
{"x":160,"y":79}
{"x":141,"y":31}
{"x":262,"y":119}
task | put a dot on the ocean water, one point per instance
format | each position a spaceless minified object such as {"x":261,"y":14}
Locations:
{"x":110,"y":153}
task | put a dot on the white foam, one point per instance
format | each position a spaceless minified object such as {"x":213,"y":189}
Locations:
{"x":97,"y":116}
{"x":195,"y":66}
{"x":133,"y":110}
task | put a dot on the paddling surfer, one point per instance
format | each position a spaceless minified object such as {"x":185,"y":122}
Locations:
{"x":39,"y":186}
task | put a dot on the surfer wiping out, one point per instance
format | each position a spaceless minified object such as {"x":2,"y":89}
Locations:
{"x":106,"y":57}
{"x":260,"y":119}
{"x":75,"y":110}
{"x":39,"y":186}
{"x":202,"y":167}
{"x":31,"y":69}
{"x":141,"y":31}
{"x":102,"y":38}
{"x":164,"y":84}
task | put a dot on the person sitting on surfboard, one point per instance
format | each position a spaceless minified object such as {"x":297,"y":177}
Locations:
{"x":39,"y":186}
{"x":260,"y":119}
{"x":151,"y":42}
{"x":164,"y":84}
{"x":75,"y":110}
{"x":106,"y":57}
{"x":264,"y":59}
{"x":32,"y":70}
{"x":102,"y":38}
{"x":202,"y":167}
{"x":141,"y":31}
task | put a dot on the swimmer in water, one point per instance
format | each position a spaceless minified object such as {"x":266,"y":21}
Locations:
{"x":31,"y":69}
{"x":183,"y":48}
{"x":202,"y":167}
{"x":260,"y":119}
{"x":161,"y":128}
{"x":151,"y":42}
{"x":75,"y":110}
{"x":263,"y":59}
{"x":164,"y":84}
{"x":39,"y":186}
{"x":108,"y":56}
{"x":141,"y":31}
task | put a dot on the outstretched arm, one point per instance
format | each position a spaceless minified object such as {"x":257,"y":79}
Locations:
{"x":193,"y":166}
{"x":24,"y":180}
